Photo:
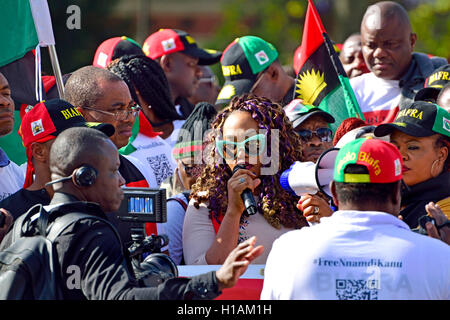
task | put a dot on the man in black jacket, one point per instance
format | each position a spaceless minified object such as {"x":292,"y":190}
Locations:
{"x":92,"y":246}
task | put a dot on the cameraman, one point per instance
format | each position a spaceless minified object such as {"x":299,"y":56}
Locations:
{"x":92,"y":247}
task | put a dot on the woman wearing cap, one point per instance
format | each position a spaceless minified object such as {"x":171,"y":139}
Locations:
{"x":254,"y":133}
{"x":422,"y":134}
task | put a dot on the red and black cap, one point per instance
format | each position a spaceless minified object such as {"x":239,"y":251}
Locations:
{"x":46,"y":120}
{"x":166,"y":41}
{"x":115,"y":48}
{"x":433,"y":84}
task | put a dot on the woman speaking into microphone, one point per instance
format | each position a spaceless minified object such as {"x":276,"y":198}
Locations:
{"x":252,"y":144}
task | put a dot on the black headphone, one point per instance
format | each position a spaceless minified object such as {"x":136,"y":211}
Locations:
{"x":83,"y":176}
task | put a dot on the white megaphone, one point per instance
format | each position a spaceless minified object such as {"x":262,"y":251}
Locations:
{"x":309,"y":177}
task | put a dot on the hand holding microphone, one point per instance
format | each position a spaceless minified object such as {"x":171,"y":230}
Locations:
{"x":240,"y":191}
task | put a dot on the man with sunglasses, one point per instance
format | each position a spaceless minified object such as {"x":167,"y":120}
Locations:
{"x":311,"y":124}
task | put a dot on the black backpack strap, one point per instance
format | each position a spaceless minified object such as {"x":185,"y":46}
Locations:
{"x":21,"y":225}
{"x":64,"y":221}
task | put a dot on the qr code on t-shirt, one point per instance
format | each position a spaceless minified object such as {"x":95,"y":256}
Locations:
{"x":161,"y":167}
{"x":356,"y":289}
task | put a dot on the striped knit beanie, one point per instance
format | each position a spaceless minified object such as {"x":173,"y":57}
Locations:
{"x":190,"y":142}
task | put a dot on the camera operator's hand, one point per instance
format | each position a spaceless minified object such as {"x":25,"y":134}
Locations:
{"x":241,"y":180}
{"x":8,"y":220}
{"x":314,"y":207}
{"x":237,"y":262}
{"x":444,"y":233}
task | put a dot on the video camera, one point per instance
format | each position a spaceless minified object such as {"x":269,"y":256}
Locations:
{"x":141,"y":206}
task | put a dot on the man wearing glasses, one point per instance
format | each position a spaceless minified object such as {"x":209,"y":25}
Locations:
{"x":311,"y":124}
{"x":102,"y":96}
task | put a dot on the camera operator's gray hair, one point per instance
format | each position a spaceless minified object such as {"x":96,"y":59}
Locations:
{"x":75,"y":147}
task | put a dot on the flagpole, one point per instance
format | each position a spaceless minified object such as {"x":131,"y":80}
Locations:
{"x":56,"y":70}
{"x":44,"y":31}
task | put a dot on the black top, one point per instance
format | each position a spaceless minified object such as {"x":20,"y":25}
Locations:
{"x":19,"y":202}
{"x":104,"y":270}
{"x":416,"y":197}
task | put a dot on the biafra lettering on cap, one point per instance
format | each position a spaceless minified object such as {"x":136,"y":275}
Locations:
{"x":70,"y":113}
{"x":232,"y":70}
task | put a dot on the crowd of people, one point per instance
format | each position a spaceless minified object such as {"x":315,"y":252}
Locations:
{"x":155,"y":116}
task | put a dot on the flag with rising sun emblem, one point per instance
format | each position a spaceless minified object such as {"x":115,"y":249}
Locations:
{"x":321,"y":80}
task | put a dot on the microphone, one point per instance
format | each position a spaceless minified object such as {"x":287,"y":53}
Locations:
{"x":59,"y":180}
{"x":247,"y":196}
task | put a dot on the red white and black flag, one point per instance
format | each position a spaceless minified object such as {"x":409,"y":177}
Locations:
{"x":321,"y":80}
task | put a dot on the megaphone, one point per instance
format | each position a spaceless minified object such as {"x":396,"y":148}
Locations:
{"x":309,"y":177}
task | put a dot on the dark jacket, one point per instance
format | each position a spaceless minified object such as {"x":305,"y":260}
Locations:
{"x":414,"y":79}
{"x":105,"y":270}
{"x":416,"y":197}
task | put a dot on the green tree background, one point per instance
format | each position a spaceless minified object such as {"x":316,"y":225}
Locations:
{"x":277,"y":21}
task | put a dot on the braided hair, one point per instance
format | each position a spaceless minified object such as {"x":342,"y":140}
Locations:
{"x":277,"y":205}
{"x":146,"y":76}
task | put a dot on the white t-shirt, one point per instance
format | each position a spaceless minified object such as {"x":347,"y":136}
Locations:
{"x":12,"y":177}
{"x":357,"y":255}
{"x":172,"y":139}
{"x":377,"y":98}
{"x":199,"y":234}
{"x":146,"y":171}
{"x":156,"y":155}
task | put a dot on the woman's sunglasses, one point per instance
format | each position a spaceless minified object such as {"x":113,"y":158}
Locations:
{"x":253,"y":147}
{"x":324,"y":134}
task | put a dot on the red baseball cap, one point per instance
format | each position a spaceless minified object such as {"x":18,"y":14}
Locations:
{"x":166,"y":41}
{"x":49,"y":118}
{"x":46,"y":120}
{"x":382,"y":160}
{"x":115,"y":48}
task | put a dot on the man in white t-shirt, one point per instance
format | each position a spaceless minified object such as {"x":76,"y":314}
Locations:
{"x":11,"y":177}
{"x":363,"y":251}
{"x":396,"y":72}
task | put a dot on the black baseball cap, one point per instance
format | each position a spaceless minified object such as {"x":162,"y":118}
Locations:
{"x":433,"y":84}
{"x":166,"y":41}
{"x":420,"y":119}
{"x":298,"y":113}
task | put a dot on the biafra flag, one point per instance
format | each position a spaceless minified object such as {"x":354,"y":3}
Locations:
{"x":321,"y":80}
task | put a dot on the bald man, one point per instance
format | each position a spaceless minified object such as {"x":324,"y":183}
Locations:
{"x":396,"y":72}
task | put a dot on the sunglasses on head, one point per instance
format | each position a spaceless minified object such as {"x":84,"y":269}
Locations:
{"x":253,"y":146}
{"x":324,"y":134}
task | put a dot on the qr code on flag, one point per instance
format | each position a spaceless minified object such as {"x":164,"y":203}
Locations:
{"x":356,"y":289}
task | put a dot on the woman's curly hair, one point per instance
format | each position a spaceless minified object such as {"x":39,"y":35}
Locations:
{"x":277,"y":205}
